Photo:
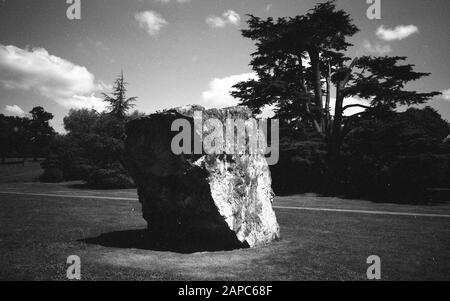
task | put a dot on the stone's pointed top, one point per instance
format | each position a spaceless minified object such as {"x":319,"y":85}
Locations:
{"x":235,"y":112}
{"x":188,"y":109}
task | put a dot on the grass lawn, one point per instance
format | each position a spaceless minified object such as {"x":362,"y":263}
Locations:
{"x":39,"y":232}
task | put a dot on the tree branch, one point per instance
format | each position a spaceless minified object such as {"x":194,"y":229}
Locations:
{"x":349,"y":72}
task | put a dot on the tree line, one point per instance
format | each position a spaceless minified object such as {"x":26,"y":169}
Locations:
{"x":23,"y":137}
{"x":92,"y":147}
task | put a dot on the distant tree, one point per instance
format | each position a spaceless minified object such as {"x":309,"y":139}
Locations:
{"x":80,"y":122}
{"x":93,"y":146}
{"x":93,"y":141}
{"x":97,"y":138}
{"x":135,"y":115}
{"x":14,"y":137}
{"x":20,"y":138}
{"x":387,"y":134}
{"x":40,"y":131}
{"x":380,"y":81}
{"x":119,"y":104}
{"x":5,"y":135}
{"x":401,"y":154}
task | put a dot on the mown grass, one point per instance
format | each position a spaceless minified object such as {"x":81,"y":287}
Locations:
{"x":38,"y":233}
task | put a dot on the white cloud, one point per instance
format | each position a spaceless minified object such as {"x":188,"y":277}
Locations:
{"x":81,"y":101}
{"x":215,"y":22}
{"x":269,"y":7}
{"x":151,"y":21}
{"x":446,"y":94}
{"x":14,"y":110}
{"x":50,"y":76}
{"x":218,"y":93}
{"x":229,"y":17}
{"x":376,"y":48}
{"x":398,"y":33}
{"x":232,"y":17}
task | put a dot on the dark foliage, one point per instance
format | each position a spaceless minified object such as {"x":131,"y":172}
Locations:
{"x":52,"y":171}
{"x":385,"y":156}
{"x":119,"y":104}
{"x":40,"y":132}
{"x":396,"y":155}
{"x":21,"y":137}
{"x":92,"y":150}
{"x":302,"y":165}
{"x":109,"y":179}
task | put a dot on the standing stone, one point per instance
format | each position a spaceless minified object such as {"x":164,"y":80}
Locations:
{"x":213,"y":202}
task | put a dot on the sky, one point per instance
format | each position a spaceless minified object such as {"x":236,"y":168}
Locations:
{"x":179,"y":52}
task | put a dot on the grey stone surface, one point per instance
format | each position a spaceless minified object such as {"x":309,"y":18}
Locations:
{"x":217,"y":201}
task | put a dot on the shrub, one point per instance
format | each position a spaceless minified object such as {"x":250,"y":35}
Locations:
{"x":411,"y":176}
{"x":52,"y":171}
{"x":77,"y":171}
{"x":398,"y":156}
{"x":52,"y":175}
{"x":109,"y":179}
{"x":301,"y":168}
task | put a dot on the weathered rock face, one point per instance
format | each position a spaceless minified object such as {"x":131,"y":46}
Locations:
{"x":212,"y":201}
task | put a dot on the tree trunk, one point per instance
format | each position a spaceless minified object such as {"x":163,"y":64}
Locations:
{"x":317,"y":82}
{"x":302,"y":79}
{"x":336,"y":138}
{"x":337,"y":123}
{"x":313,"y":120}
{"x":311,"y":116}
{"x":327,"y":102}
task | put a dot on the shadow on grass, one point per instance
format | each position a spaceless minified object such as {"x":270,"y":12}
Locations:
{"x":142,"y":239}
